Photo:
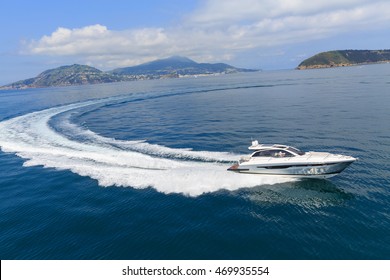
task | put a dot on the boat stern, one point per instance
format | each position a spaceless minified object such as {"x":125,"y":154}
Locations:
{"x":234,"y":167}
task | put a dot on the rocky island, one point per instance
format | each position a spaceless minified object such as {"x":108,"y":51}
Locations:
{"x":341,"y":58}
{"x":65,"y":76}
{"x":173,"y":67}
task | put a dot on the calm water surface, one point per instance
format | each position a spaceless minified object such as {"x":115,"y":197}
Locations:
{"x":138,"y":170}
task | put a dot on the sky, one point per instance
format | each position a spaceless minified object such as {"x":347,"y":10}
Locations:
{"x":260,"y":34}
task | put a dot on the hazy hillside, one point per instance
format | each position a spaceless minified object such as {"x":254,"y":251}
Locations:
{"x":76,"y":74}
{"x":178,"y":66}
{"x":64,"y":76}
{"x":345,"y":58}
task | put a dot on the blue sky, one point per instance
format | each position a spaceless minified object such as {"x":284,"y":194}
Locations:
{"x":267,"y":34}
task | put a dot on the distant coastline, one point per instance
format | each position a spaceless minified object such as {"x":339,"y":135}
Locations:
{"x":76,"y":74}
{"x":177,"y":67}
{"x":342,"y":58}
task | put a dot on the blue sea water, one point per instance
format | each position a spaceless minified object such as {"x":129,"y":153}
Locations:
{"x":137,"y":170}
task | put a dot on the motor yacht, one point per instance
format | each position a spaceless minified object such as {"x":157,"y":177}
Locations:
{"x":289,"y":161}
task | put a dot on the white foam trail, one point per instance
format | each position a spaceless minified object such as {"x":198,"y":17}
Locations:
{"x":144,"y":147}
{"x":121,"y":163}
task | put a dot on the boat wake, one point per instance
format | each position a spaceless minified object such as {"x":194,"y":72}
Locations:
{"x":48,"y":138}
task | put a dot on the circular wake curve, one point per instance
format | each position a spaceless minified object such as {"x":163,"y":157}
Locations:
{"x":136,"y":164}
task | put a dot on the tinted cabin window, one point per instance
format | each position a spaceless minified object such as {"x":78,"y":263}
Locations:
{"x":294,"y":150}
{"x":263,"y":154}
{"x":272,"y":153}
{"x":281,"y":153}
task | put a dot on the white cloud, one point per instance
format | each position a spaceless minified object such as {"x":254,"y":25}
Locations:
{"x":98,"y":43}
{"x":214,"y":12}
{"x":217,"y":30}
{"x":91,"y":39}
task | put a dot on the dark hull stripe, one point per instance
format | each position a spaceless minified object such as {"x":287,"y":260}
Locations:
{"x":288,"y":175}
{"x":299,"y":165}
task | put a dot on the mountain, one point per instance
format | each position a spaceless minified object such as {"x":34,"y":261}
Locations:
{"x":64,"y":76}
{"x":177,"y":66}
{"x":345,"y":58}
{"x":76,"y":74}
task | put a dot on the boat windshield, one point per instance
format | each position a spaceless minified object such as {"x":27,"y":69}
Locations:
{"x":295,"y":151}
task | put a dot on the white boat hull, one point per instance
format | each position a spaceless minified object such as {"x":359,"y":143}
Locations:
{"x":321,"y":171}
